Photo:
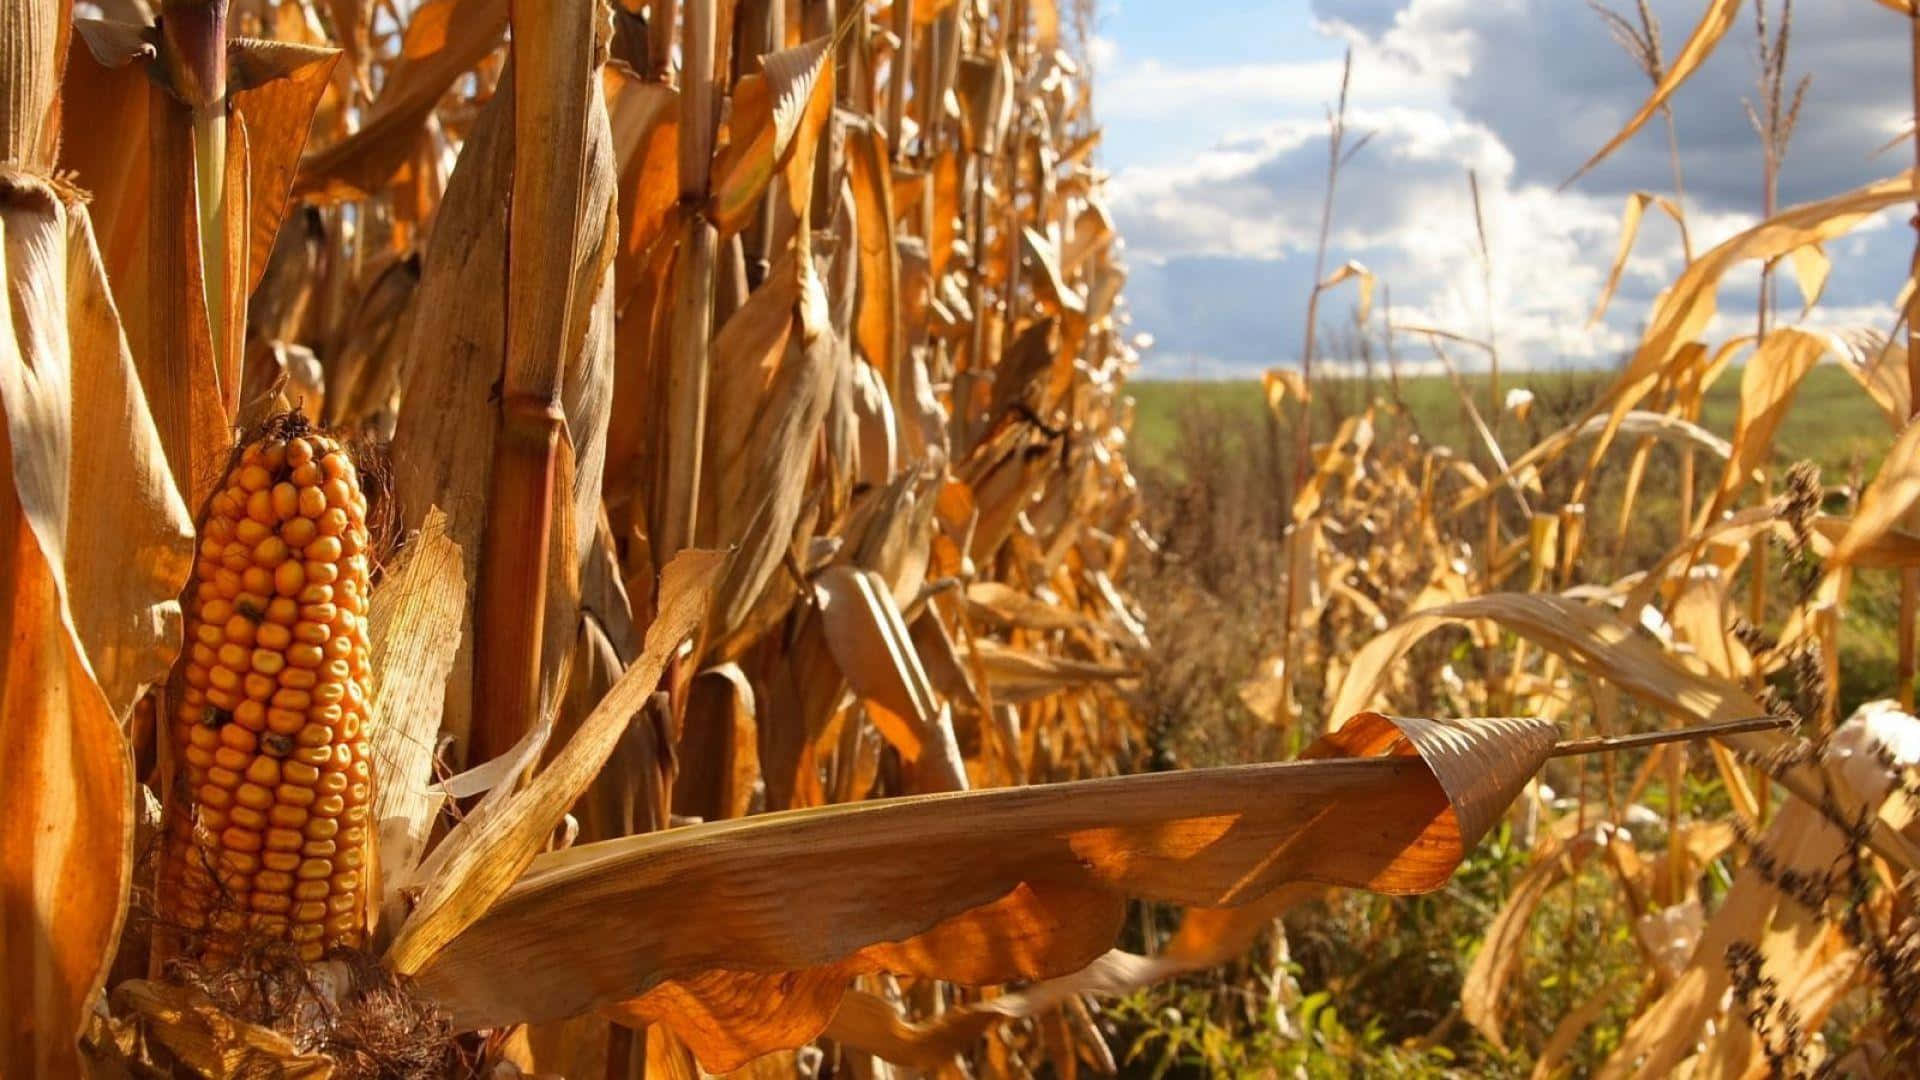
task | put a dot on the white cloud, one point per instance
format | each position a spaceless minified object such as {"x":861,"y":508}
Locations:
{"x":1147,"y":89}
{"x":1222,"y":215}
{"x":1259,"y":193}
{"x":1405,"y":209}
{"x":1102,"y":51}
{"x":1546,"y":78}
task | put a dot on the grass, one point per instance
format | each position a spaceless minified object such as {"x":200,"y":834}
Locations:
{"x":1832,"y":422}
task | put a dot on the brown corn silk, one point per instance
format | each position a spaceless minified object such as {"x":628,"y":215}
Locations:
{"x":269,"y":838}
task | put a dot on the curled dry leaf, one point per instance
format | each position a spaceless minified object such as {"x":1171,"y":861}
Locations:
{"x":1641,"y":424}
{"x":1767,"y":386}
{"x":1713,"y":25}
{"x":483,"y":863}
{"x":1017,"y":675}
{"x":976,"y":887}
{"x":1483,"y":991}
{"x":66,"y":815}
{"x":1207,"y":938}
{"x":1629,"y":230}
{"x":413,"y":631}
{"x":1365,"y":281}
{"x":444,"y":40}
{"x":870,"y":643}
{"x":769,"y":110}
{"x":1885,"y":502}
{"x":212,"y":1043}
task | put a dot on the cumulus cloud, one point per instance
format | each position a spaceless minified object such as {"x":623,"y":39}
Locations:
{"x":1221,"y":215}
{"x":1259,"y":193}
{"x":1227,"y":239}
{"x":1545,"y":77}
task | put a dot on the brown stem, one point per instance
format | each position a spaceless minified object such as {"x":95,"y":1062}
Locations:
{"x":1610,"y":743}
{"x":773,"y":38}
{"x":902,"y":65}
{"x":195,"y":55}
{"x":660,"y":26}
{"x":555,"y":76}
{"x":678,"y":515}
{"x":1303,"y":442}
{"x":687,"y":386}
{"x":829,"y":161}
{"x":512,"y":600}
{"x":1910,"y":579}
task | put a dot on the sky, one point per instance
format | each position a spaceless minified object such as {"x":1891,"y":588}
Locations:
{"x":1216,"y":141}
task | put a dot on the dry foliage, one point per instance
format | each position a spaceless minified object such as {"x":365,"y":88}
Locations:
{"x":739,"y":388}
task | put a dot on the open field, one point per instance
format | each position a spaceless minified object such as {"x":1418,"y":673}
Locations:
{"x":1832,"y":422}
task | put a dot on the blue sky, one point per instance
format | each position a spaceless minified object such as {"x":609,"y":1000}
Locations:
{"x":1214,"y":111}
{"x":1198,"y":35}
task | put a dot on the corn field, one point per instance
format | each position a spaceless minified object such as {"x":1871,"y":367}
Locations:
{"x":596,"y":539}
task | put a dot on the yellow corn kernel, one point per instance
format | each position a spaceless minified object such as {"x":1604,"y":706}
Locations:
{"x":272,"y":837}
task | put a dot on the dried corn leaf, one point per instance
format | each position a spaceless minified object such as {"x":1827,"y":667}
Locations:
{"x":414,"y":632}
{"x":275,"y":87}
{"x":1713,"y":25}
{"x":1207,"y":938}
{"x":1353,"y":271}
{"x":210,"y":1042}
{"x":444,"y":40}
{"x":870,"y":643}
{"x":771,"y":383}
{"x":719,"y":755}
{"x":769,"y":110}
{"x":1767,"y":386}
{"x":142,"y":172}
{"x":1004,"y":605}
{"x":442,"y":452}
{"x":1893,"y":490}
{"x":1483,"y":991}
{"x":944,"y":875}
{"x":1881,"y":370}
{"x":105,"y":143}
{"x":1641,"y":424}
{"x":877,"y":327}
{"x":1020,"y":675}
{"x":482,"y":864}
{"x":1666,"y":1032}
{"x":1811,"y":267}
{"x":1682,"y":314}
{"x":1629,"y":230}
{"x":129,"y":534}
{"x":37,"y":36}
{"x":1281,"y":384}
{"x":66,"y":815}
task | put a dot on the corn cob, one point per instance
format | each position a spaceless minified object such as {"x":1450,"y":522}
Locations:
{"x":271,"y":839}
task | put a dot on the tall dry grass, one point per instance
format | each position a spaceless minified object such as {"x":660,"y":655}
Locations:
{"x":1617,"y":566}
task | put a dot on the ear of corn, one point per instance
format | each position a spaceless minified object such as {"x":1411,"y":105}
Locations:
{"x":270,"y":836}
